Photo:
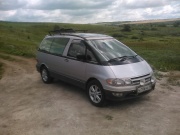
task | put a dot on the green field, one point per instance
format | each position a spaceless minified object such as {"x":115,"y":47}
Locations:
{"x":158,"y":43}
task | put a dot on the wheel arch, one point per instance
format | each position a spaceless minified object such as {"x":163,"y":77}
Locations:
{"x":43,"y":65}
{"x":91,"y":79}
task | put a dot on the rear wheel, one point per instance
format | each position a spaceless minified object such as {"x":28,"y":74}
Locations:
{"x":46,"y":78}
{"x":96,"y":93}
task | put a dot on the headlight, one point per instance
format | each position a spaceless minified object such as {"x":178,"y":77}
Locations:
{"x":127,"y":81}
{"x":118,"y":82}
{"x":115,"y":82}
{"x":153,"y":79}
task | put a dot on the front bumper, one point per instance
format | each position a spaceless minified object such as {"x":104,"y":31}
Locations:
{"x":123,"y":95}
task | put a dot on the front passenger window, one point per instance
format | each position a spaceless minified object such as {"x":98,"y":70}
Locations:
{"x":76,"y":48}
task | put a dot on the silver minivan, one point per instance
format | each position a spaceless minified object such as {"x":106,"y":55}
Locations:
{"x":100,"y":64}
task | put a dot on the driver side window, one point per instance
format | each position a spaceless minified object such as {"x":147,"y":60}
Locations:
{"x":76,"y":48}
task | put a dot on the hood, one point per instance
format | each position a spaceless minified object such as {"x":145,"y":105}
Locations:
{"x":131,"y":70}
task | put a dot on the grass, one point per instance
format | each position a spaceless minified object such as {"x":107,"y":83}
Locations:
{"x":158,"y":43}
{"x":108,"y":117}
{"x":162,"y":56}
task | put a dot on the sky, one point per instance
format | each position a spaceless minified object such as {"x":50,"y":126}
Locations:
{"x":87,"y":11}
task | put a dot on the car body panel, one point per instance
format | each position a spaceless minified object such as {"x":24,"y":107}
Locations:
{"x":131,"y":70}
{"x":74,"y":69}
{"x":101,"y":73}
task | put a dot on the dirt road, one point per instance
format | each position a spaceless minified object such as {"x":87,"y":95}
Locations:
{"x":30,"y":107}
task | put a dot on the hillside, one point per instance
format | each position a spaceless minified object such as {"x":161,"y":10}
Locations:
{"x":158,"y":43}
{"x":140,"y":22}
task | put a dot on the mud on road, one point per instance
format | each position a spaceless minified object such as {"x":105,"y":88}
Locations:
{"x":30,"y":107}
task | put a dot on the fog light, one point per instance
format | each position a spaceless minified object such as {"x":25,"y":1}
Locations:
{"x":118,"y":94}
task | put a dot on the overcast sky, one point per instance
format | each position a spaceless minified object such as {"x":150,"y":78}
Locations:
{"x":87,"y":11}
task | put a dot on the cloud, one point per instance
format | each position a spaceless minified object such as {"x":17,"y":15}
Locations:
{"x":135,"y":4}
{"x":29,"y":15}
{"x":69,"y":4}
{"x":91,"y":11}
{"x":79,"y":12}
{"x":11,"y":4}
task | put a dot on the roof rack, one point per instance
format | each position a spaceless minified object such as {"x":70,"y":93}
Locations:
{"x":62,"y":31}
{"x":84,"y":31}
{"x":69,"y":32}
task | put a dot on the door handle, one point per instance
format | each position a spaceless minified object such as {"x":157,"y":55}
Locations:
{"x":66,"y":60}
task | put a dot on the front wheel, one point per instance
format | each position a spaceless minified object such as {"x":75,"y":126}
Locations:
{"x":96,"y":93}
{"x":46,"y":78}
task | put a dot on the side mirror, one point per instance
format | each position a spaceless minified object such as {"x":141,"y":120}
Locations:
{"x":81,"y":57}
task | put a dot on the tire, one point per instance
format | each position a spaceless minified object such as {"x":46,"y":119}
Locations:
{"x":46,"y":78}
{"x":96,"y":93}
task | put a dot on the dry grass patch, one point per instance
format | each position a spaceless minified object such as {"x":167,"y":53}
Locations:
{"x":7,"y":57}
{"x":1,"y":70}
{"x":173,"y":78}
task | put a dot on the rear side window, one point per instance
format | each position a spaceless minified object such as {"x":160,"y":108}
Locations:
{"x":58,"y":45}
{"x":45,"y":45}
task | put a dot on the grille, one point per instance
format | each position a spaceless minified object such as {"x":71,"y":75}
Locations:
{"x":136,"y":80}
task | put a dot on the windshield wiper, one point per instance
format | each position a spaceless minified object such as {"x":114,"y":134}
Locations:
{"x":122,"y":58}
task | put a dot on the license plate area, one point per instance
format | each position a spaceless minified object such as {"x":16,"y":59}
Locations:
{"x":144,"y":88}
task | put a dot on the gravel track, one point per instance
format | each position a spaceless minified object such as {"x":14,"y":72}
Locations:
{"x":30,"y":107}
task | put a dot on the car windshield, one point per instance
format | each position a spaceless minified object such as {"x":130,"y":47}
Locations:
{"x":112,"y":49}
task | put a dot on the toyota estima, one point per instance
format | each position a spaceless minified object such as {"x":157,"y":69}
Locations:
{"x":102,"y":65}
